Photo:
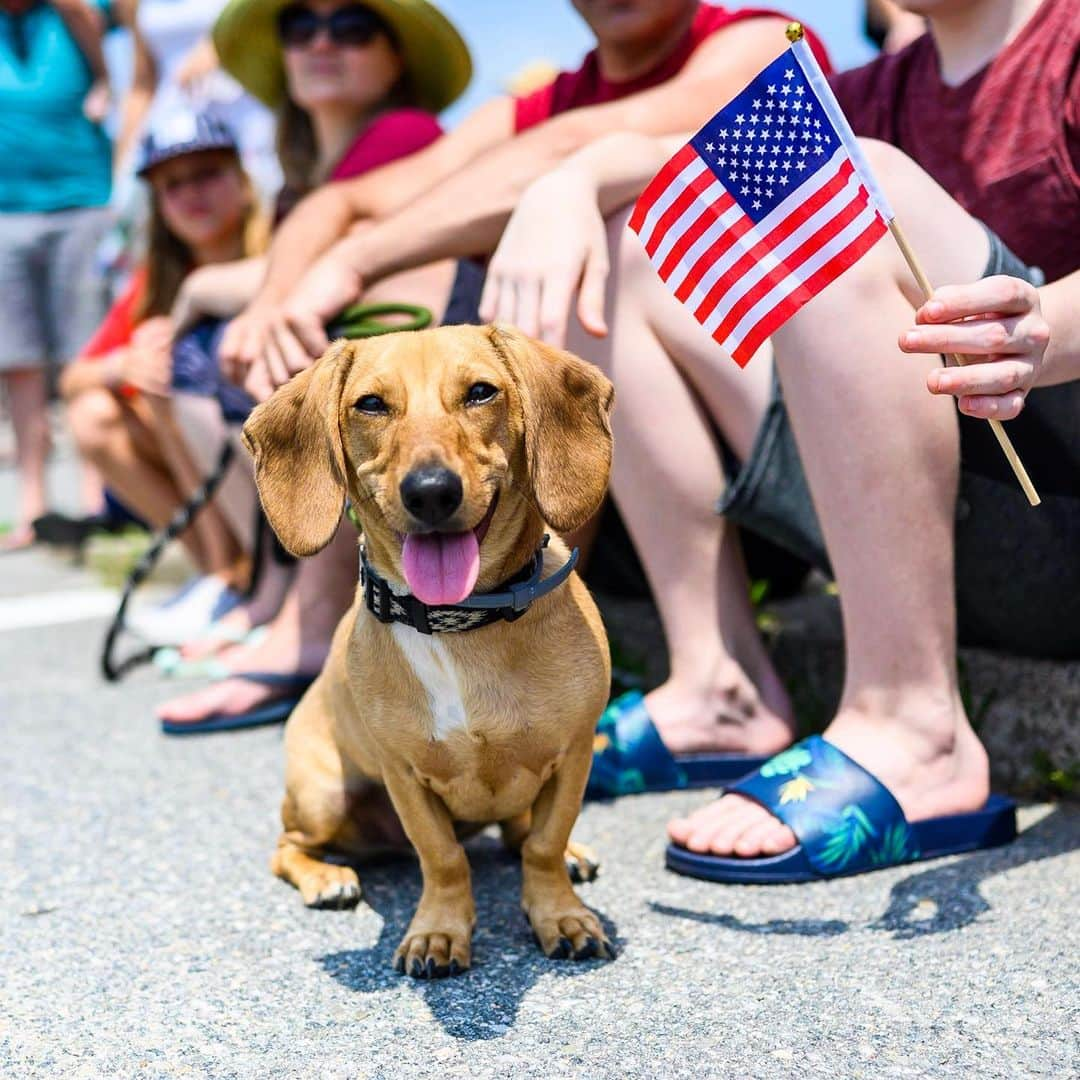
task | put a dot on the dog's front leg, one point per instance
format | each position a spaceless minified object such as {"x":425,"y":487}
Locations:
{"x":563,"y":925}
{"x":439,"y":939}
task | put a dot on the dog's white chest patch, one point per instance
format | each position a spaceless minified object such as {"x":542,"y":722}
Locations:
{"x":432,"y":665}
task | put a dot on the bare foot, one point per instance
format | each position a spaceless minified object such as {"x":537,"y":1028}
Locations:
{"x":729,"y":713}
{"x":281,"y":651}
{"x":18,"y":539}
{"x":932,"y":767}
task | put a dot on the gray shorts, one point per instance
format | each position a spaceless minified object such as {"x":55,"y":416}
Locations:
{"x":52,"y":296}
{"x":1017,"y":568}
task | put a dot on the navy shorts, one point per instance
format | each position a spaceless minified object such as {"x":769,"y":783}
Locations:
{"x":196,"y":371}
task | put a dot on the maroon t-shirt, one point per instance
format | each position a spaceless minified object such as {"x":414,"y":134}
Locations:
{"x":1005,"y":143}
{"x":587,"y":86}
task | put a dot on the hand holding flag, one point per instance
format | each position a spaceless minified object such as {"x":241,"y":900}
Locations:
{"x":766,"y":205}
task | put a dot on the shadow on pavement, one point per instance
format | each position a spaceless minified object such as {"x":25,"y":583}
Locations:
{"x":942,"y":898}
{"x":482,"y":1003}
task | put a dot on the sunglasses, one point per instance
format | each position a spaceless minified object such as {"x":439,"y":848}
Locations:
{"x":354,"y":26}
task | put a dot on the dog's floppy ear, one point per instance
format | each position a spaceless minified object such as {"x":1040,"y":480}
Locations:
{"x":295,"y":439}
{"x":567,"y":405}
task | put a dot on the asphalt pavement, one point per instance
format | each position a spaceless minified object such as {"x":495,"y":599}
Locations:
{"x":142,"y":935}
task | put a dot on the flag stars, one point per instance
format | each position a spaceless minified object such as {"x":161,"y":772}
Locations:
{"x":800,"y":90}
{"x":722,"y":162}
{"x":745,"y":191}
{"x":709,"y":147}
{"x":756,"y":204}
{"x":768,"y":193}
{"x":784,"y":179}
{"x":785,"y":89}
{"x":757,"y":104}
{"x":800,"y":165}
{"x":819,"y":149}
{"x":770,"y":90}
{"x":789,"y":74}
{"x":740,"y":119}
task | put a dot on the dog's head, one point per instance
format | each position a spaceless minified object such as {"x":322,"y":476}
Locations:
{"x":454,"y":444}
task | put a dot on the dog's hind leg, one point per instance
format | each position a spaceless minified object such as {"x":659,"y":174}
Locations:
{"x":582,"y":863}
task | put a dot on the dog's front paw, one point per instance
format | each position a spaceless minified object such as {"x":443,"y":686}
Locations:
{"x":433,"y":955}
{"x":333,"y":887}
{"x":570,"y":932}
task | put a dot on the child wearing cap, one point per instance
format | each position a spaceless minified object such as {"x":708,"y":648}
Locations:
{"x":122,"y":391}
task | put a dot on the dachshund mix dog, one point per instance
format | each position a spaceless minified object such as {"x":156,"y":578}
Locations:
{"x":459,"y":448}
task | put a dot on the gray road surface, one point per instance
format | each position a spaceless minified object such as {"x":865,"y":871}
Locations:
{"x":141,"y":934}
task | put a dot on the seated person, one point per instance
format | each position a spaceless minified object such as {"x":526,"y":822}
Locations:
{"x":120,"y":391}
{"x":353,"y":90}
{"x":921,"y":520}
{"x":657,"y":66}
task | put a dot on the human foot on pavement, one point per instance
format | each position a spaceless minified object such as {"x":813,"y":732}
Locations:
{"x":733,"y":714}
{"x":932,"y":769}
{"x":279,"y":652}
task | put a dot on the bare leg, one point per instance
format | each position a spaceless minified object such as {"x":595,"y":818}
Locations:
{"x":723,"y":693}
{"x":867,"y":427}
{"x":124,"y":448}
{"x":29,"y":417}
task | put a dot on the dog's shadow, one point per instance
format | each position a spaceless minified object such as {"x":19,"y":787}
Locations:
{"x":482,"y":1003}
{"x":940,"y":899}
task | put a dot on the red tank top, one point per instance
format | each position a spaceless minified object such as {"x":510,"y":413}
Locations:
{"x":587,"y":86}
{"x":1005,"y":143}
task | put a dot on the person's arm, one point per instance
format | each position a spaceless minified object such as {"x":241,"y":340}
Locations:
{"x":450,"y":187}
{"x":1018,"y":337}
{"x":324,"y":216}
{"x":464,"y":212}
{"x":218,"y":291}
{"x":92,"y":373}
{"x":139,"y":96}
{"x":86,"y":24}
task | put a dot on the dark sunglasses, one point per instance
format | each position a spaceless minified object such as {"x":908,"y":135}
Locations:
{"x":353,"y":25}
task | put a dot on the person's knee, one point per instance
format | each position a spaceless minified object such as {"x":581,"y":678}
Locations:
{"x":93,"y":418}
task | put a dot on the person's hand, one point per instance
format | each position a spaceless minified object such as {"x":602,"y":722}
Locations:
{"x":155,"y":332}
{"x":296,"y":335}
{"x":244,"y":341}
{"x":200,"y":62}
{"x":554,"y":246}
{"x":147,"y":363}
{"x":998,"y":320}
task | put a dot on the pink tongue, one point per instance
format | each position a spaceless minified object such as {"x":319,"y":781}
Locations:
{"x":441,"y":568}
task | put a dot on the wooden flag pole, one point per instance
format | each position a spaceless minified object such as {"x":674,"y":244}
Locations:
{"x":795,"y":34}
{"x":995,"y":425}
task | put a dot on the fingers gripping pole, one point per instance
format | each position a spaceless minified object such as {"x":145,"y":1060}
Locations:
{"x":995,"y":425}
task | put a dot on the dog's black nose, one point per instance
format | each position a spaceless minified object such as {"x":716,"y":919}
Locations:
{"x":431,"y":494}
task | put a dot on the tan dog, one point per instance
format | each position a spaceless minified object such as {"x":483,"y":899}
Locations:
{"x":458,"y":447}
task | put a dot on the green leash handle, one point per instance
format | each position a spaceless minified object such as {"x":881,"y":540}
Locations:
{"x":366,"y":320}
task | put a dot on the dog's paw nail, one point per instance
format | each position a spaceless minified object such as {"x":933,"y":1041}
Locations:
{"x":399,"y":965}
{"x":417,"y":970}
{"x":563,"y":950}
{"x":432,"y":969}
{"x":588,"y":950}
{"x":455,"y":968}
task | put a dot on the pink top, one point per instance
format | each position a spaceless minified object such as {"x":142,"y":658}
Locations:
{"x":393,"y":135}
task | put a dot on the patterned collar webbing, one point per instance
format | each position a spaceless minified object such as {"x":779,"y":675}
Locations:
{"x":509,"y":601}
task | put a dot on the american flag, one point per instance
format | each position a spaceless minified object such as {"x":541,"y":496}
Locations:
{"x":768,"y":203}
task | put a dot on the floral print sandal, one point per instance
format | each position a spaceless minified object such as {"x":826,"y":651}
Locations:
{"x":629,"y":757}
{"x":846,"y":821}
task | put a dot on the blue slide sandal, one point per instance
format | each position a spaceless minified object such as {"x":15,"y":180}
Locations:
{"x":846,"y":822}
{"x":272,"y":712}
{"x":630,"y":758}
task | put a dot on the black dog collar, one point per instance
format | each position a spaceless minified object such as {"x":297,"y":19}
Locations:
{"x":509,"y":601}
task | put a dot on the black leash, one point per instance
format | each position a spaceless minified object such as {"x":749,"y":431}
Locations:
{"x":114,"y":670}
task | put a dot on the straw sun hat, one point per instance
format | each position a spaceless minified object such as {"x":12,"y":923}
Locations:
{"x":436,"y":58}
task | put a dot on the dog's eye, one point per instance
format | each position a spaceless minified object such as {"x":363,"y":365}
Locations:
{"x":480,"y":393}
{"x":371,"y":404}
